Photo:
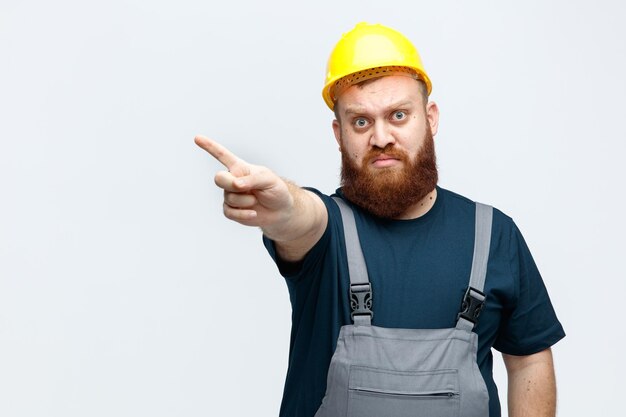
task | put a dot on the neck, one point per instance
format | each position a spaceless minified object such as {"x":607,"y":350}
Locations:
{"x":421,"y":207}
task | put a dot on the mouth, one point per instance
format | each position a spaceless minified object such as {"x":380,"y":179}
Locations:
{"x":383,"y":161}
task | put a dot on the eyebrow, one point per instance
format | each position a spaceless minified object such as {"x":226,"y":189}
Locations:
{"x":361,"y":109}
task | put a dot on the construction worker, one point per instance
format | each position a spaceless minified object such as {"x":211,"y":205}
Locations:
{"x":399,"y":288}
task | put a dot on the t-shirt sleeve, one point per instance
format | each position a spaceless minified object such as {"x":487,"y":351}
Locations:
{"x":295,"y":270}
{"x":529,"y":324}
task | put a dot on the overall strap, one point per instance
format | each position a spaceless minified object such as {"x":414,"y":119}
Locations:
{"x":360,"y":287}
{"x":474,"y":298}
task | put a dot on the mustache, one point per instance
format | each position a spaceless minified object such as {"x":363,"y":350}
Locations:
{"x":389,"y":150}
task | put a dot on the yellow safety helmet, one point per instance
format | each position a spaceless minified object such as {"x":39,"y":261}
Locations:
{"x":369,"y":51}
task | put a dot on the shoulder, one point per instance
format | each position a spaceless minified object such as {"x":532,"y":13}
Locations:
{"x":331,"y":206}
{"x":460,"y":202}
{"x":504,"y":231}
{"x":326,"y":243}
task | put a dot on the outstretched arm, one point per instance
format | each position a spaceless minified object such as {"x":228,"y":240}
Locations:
{"x":254,"y":196}
{"x":532,"y":385}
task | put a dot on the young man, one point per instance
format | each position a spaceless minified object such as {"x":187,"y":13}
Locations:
{"x":384,"y":321}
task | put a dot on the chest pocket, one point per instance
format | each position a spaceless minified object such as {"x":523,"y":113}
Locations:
{"x":408,"y":394}
{"x":384,"y":372}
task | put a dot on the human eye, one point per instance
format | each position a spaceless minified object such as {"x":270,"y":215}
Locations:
{"x":360,"y":122}
{"x":399,"y":115}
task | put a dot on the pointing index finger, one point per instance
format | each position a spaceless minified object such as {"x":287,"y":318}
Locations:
{"x":226,"y":157}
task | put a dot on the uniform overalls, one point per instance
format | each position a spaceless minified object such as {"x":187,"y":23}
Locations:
{"x":386,"y":372}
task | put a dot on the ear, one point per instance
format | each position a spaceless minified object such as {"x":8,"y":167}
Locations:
{"x":432,"y":115}
{"x":337,"y":131}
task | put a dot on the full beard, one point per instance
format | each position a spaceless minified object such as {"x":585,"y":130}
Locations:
{"x":390,"y":192}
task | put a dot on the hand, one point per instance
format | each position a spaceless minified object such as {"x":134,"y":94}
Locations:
{"x":253,"y":195}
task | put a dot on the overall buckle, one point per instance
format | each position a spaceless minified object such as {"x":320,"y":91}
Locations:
{"x":361,"y":300}
{"x":473,"y":303}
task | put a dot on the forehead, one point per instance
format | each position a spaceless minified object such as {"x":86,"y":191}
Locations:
{"x":380,"y":93}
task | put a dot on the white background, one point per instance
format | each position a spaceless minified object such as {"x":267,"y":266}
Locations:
{"x":123,"y":290}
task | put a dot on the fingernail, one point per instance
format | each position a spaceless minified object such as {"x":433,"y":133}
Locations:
{"x":240,"y":183}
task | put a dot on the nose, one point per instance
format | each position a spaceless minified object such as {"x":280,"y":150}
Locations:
{"x":381,"y":136}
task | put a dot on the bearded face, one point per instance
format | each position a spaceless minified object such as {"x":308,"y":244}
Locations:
{"x":390,"y":192}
